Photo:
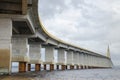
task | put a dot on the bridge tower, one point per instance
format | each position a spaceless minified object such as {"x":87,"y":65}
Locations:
{"x":108,"y":52}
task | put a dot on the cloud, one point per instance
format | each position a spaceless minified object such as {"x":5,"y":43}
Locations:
{"x":87,"y":23}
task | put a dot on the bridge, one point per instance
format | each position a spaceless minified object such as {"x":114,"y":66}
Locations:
{"x":21,"y":26}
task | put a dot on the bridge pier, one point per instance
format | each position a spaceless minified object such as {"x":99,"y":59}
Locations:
{"x":49,"y":57}
{"x":5,"y":45}
{"x":24,"y":23}
{"x":19,"y":52}
{"x":76,"y":59}
{"x":61,"y":58}
{"x":70,"y":58}
{"x":35,"y":56}
{"x":81,"y":60}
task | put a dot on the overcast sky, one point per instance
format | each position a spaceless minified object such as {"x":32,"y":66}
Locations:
{"x":90,"y":24}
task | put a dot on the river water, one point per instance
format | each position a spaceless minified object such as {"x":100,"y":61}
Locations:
{"x":85,"y":74}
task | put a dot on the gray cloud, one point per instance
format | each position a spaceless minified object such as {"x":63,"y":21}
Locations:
{"x":87,"y":23}
{"x":48,"y":8}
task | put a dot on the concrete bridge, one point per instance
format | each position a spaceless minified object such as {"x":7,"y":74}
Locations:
{"x":20,"y":26}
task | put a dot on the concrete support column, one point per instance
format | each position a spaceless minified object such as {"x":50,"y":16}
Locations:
{"x":69,"y":57}
{"x":49,"y":56}
{"x":22,"y":66}
{"x":20,"y":49}
{"x":5,"y":45}
{"x":35,"y":55}
{"x":91,"y":63}
{"x":37,"y":67}
{"x":76,"y":58}
{"x":19,"y":52}
{"x":85,"y":61}
{"x":61,"y":58}
{"x":29,"y":67}
{"x":81,"y":59}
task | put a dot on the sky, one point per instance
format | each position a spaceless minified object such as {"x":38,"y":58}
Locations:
{"x":90,"y":24}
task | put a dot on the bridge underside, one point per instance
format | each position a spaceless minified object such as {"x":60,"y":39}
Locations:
{"x":13,"y":6}
{"x":22,"y":36}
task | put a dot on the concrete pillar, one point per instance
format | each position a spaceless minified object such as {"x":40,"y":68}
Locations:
{"x":69,"y":57}
{"x":22,"y":66}
{"x":81,"y":59}
{"x":49,"y":55}
{"x":76,"y":58}
{"x":37,"y":67}
{"x":20,"y":49}
{"x":61,"y":57}
{"x":5,"y":45}
{"x":91,"y":62}
{"x":29,"y":67}
{"x":19,"y":52}
{"x":35,"y":55}
{"x":85,"y":61}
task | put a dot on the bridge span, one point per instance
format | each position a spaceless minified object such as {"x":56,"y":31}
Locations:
{"x":20,"y":26}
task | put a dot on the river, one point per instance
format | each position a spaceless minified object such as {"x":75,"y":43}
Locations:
{"x":85,"y":74}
